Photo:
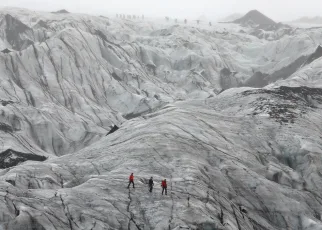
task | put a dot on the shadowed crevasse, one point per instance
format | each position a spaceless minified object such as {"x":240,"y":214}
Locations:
{"x":6,"y":51}
{"x":114,"y":128}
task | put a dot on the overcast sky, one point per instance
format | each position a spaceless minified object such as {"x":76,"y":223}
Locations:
{"x":279,"y":10}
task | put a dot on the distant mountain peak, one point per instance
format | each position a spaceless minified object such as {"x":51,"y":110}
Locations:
{"x":254,"y":12}
{"x":255,"y":17}
{"x":63,"y":11}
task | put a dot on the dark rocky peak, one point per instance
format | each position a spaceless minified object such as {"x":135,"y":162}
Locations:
{"x":254,"y":17}
{"x":316,"y":55}
{"x":63,"y":11}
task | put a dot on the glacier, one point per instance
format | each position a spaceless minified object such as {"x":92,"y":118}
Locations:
{"x":87,"y":100}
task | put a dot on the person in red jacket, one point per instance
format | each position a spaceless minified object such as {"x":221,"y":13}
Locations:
{"x":131,"y":180}
{"x":164,"y":186}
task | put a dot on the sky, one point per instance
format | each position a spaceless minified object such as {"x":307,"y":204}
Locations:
{"x":278,"y":10}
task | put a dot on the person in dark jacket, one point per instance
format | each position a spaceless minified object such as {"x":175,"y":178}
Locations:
{"x":164,"y":186}
{"x":151,"y":184}
{"x":131,"y":180}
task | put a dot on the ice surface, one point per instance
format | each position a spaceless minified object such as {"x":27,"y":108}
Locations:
{"x":217,"y":152}
{"x":234,"y":158}
{"x":97,"y":71}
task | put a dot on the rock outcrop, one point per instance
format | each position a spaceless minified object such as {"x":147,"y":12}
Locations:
{"x":10,"y":158}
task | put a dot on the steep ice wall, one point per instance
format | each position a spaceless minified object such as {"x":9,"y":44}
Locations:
{"x":309,"y":75}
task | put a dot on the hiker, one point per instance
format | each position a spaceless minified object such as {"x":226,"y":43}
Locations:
{"x":131,"y":180}
{"x":164,"y":186}
{"x":151,"y":184}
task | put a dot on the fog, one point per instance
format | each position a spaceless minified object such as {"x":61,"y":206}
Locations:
{"x":279,"y":10}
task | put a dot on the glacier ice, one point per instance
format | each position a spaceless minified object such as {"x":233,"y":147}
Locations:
{"x":234,"y":158}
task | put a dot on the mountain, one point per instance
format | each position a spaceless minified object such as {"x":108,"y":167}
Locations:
{"x":85,"y":101}
{"x":308,"y":20}
{"x":255,"y":17}
{"x":231,"y":17}
{"x":63,"y":11}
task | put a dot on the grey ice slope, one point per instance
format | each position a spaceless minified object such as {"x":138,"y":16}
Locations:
{"x":69,"y":78}
{"x":259,"y":149}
